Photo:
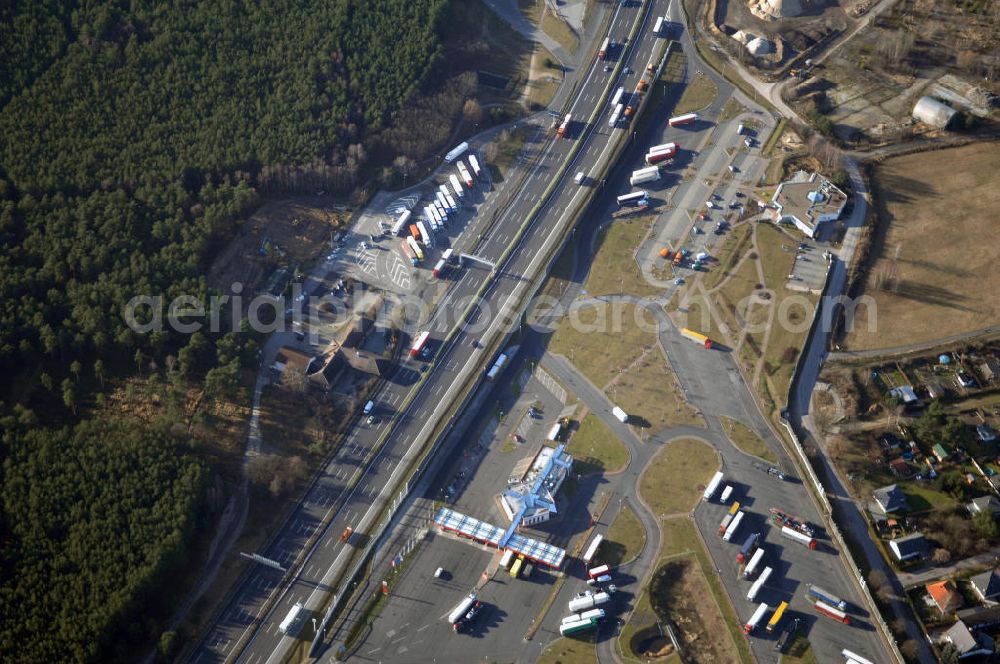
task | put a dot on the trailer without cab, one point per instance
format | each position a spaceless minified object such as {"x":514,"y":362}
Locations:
{"x":679,"y":120}
{"x":659,"y":157}
{"x":663,"y":147}
{"x":748,"y":549}
{"x":554,"y":432}
{"x":713,"y":485}
{"x":755,"y":561}
{"x":758,"y":584}
{"x":727,"y":492}
{"x":817,"y":593}
{"x":292,"y":620}
{"x":578,"y":604}
{"x":617,"y":99}
{"x":456,"y":152}
{"x":497,"y":367}
{"x":456,"y":185}
{"x":796,"y":536}
{"x":474,"y":163}
{"x":575,"y":627}
{"x":833,"y":612}
{"x":659,"y":25}
{"x":632,"y":199}
{"x":602,"y":52}
{"x":451,"y":202}
{"x":776,"y":618}
{"x":591,"y":551}
{"x":649,"y":174}
{"x":733,"y":527}
{"x":442,"y":202}
{"x":419,"y":343}
{"x":755,"y":619}
{"x":620,"y":414}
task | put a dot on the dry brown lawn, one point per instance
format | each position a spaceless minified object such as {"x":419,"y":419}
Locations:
{"x":936,"y":247}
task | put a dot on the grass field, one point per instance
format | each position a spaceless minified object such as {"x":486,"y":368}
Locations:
{"x":509,"y":144}
{"x":935,"y":247}
{"x":799,"y":652}
{"x":614,"y":269}
{"x":731,"y":109}
{"x":698,"y":94}
{"x":624,"y":540}
{"x":607,"y":343}
{"x":595,"y":449}
{"x":747,"y":440}
{"x":543,"y":81}
{"x":566,"y":650}
{"x":674,"y":480}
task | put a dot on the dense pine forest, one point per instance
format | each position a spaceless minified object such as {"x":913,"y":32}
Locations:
{"x":133,"y":137}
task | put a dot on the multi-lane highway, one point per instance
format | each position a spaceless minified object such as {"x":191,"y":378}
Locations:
{"x":363,"y":475}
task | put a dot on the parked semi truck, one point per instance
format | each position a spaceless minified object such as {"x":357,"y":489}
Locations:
{"x":659,"y":157}
{"x":578,"y":604}
{"x":416,"y":248}
{"x":402,"y":222}
{"x":577,"y":626}
{"x":649,"y":174}
{"x":833,"y":612}
{"x":755,"y":619}
{"x":796,"y":536}
{"x":758,"y":584}
{"x":748,"y":549}
{"x":724,"y":524}
{"x":679,"y":120}
{"x":456,"y":185}
{"x":727,"y":492}
{"x":412,"y":257}
{"x":474,"y":163}
{"x":591,"y":551}
{"x":697,"y":337}
{"x":713,"y":485}
{"x":734,"y":525}
{"x":465,"y":176}
{"x":635,"y":198}
{"x":817,"y":593}
{"x":456,"y":152}
{"x":755,"y":561}
{"x":776,"y":617}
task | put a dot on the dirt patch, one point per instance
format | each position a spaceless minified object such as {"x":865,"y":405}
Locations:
{"x":932,"y":262}
{"x":280,"y":234}
{"x":677,"y":593}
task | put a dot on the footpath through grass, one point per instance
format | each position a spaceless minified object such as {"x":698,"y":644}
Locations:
{"x":539,"y":13}
{"x":595,"y":449}
{"x":746,"y":440}
{"x":698,"y":94}
{"x":674,"y":480}
{"x":614,"y":269}
{"x":578,"y":649}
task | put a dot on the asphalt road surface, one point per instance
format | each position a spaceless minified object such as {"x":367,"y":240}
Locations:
{"x":359,"y":479}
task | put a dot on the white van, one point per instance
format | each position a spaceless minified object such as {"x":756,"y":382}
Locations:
{"x":579,"y":178}
{"x":369,"y":407}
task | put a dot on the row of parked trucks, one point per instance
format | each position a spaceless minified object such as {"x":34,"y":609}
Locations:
{"x":751,"y":558}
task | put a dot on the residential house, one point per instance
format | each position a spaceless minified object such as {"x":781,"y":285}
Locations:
{"x":910,"y":548}
{"x":986,"y":585}
{"x":990,"y":370}
{"x":899,"y":467}
{"x":986,"y":434}
{"x":982,"y":504}
{"x":906,"y":395}
{"x":945,"y":596}
{"x":967,"y":643}
{"x":940,"y":452}
{"x":935,"y":390}
{"x":980,"y":617}
{"x":890,"y":499}
{"x":889,"y":442}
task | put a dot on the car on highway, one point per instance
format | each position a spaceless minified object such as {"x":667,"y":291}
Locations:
{"x":607,"y":67}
